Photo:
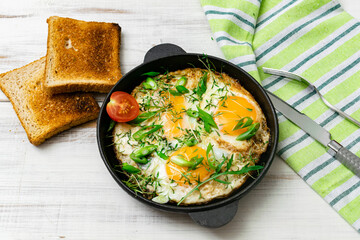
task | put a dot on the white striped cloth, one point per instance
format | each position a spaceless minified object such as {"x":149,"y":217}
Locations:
{"x":320,"y":41}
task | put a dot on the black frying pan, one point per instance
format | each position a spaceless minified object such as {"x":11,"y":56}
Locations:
{"x":171,"y":57}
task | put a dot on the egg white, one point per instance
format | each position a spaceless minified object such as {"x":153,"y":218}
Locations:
{"x":223,"y":145}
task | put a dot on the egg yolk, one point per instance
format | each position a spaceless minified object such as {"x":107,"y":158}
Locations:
{"x":183,"y":175}
{"x":230,"y":111}
{"x":175,"y":118}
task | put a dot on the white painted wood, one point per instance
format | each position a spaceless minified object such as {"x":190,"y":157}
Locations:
{"x":62,"y":190}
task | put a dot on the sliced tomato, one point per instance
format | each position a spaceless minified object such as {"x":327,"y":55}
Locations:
{"x":122,"y":107}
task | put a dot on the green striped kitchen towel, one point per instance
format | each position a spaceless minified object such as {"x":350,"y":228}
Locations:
{"x":320,"y":41}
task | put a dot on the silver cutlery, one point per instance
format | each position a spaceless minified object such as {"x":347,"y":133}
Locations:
{"x":294,"y":76}
{"x":347,"y":158}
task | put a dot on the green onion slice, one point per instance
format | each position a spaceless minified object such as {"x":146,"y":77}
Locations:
{"x":181,"y":161}
{"x":181,"y":89}
{"x":249,"y":133}
{"x":142,"y":117}
{"x":192,"y":113}
{"x":208,"y":120}
{"x":181,"y":82}
{"x":151,"y":74}
{"x":242,"y":124}
{"x":150,"y":84}
{"x":142,"y":133}
{"x":130,"y":169}
{"x":175,"y":93}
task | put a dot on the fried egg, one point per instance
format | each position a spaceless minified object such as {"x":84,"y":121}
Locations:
{"x":198,"y":130}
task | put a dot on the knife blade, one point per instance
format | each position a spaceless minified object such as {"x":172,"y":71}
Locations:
{"x":347,"y":158}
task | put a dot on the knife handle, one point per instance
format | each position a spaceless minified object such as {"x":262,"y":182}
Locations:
{"x":347,"y":158}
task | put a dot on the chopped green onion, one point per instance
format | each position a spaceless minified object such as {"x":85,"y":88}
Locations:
{"x":150,"y":84}
{"x":181,"y":82}
{"x":241,"y":123}
{"x":196,"y":161}
{"x":111,"y":125}
{"x":191,"y":142}
{"x":142,"y":133}
{"x":130,"y":169}
{"x":142,"y":160}
{"x":142,"y":117}
{"x":181,"y":89}
{"x":249,"y":133}
{"x":201,"y":88}
{"x":175,"y":93}
{"x":211,"y":159}
{"x":151,"y":74}
{"x":139,"y":155}
{"x":208,"y":120}
{"x":181,"y":161}
{"x":162,"y":155}
{"x":192,"y":113}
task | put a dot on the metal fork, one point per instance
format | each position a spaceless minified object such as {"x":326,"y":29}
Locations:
{"x":294,"y":76}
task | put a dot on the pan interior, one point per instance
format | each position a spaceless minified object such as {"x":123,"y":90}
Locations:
{"x":178,"y":62}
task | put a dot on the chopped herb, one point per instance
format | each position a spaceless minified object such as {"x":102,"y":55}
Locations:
{"x":241,"y":124}
{"x":208,"y":120}
{"x":181,"y":161}
{"x":141,"y":134}
{"x":162,"y":155}
{"x":215,"y":176}
{"x":150,"y":84}
{"x":181,"y":89}
{"x":143,"y":117}
{"x":175,"y":93}
{"x":229,"y":163}
{"x":191,"y":142}
{"x":140,"y":155}
{"x":211,"y":158}
{"x":111,"y":125}
{"x":221,"y":181}
{"x":130,"y":169}
{"x":192,"y":113}
{"x":181,"y":82}
{"x":196,"y":161}
{"x":138,"y":183}
{"x":207,"y":127}
{"x":151,"y":74}
{"x":191,"y":164}
{"x":252,"y":129}
{"x":201,"y":88}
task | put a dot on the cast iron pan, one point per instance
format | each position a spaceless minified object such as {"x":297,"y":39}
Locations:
{"x":171,"y":57}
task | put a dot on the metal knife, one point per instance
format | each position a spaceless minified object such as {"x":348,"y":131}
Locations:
{"x":347,"y":158}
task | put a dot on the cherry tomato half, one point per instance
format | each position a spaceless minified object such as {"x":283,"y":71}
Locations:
{"x":122,"y":107}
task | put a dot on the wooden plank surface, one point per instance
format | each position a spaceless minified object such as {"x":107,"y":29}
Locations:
{"x":62,"y":190}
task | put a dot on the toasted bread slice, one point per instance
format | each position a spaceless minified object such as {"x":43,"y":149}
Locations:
{"x":82,"y":56}
{"x":41,"y":114}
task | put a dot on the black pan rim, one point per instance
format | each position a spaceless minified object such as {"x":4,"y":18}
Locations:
{"x":190,"y":208}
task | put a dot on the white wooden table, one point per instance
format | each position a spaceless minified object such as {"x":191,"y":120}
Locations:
{"x":62,"y":190}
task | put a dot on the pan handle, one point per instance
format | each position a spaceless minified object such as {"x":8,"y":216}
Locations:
{"x":162,"y":50}
{"x":216,"y":217}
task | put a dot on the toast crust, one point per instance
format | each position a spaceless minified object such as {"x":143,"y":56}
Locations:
{"x":82,"y":56}
{"x":41,"y":114}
